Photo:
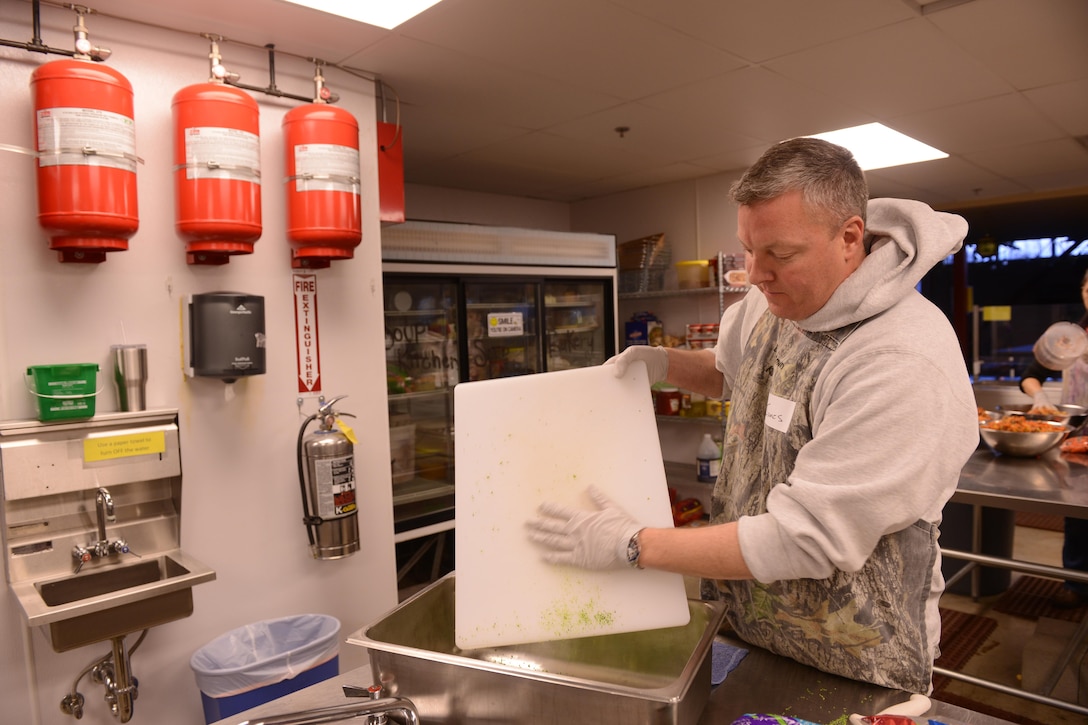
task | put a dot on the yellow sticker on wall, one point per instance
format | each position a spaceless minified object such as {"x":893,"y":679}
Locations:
{"x":126,"y":446}
{"x":996,"y":313}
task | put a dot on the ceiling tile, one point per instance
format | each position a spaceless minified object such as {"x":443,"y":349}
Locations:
{"x":658,"y":133}
{"x":437,"y":80}
{"x":1031,"y":44}
{"x":1035,"y":159}
{"x":990,"y":122}
{"x":1064,"y":103}
{"x":758,"y":103}
{"x":760,"y":31}
{"x":591,"y":44}
{"x":905,"y":68}
{"x":949,"y":179}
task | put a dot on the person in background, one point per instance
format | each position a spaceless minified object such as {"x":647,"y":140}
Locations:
{"x":1074,"y":391}
{"x":852,"y":415}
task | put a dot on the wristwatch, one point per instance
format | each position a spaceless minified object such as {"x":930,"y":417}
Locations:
{"x":634,"y":551}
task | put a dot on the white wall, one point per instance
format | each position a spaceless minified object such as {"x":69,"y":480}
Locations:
{"x":429,"y":203}
{"x":241,"y":510}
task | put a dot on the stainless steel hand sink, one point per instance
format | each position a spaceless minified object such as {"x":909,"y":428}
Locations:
{"x":85,"y":586}
{"x":113,"y":599}
{"x":92,"y":525}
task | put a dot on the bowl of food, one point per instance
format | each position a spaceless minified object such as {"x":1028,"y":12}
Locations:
{"x":1074,"y":415}
{"x":1015,"y":435}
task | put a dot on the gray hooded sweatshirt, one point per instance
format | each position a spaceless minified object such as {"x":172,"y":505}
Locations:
{"x":846,"y":437}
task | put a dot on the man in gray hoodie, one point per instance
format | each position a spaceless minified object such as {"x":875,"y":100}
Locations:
{"x":852,"y":415}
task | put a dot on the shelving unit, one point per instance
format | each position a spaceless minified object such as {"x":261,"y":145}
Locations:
{"x":681,"y":432}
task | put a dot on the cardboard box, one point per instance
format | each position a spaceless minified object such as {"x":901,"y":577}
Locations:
{"x":643,"y":333}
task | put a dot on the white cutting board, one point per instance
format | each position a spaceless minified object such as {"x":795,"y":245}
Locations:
{"x":525,"y":440}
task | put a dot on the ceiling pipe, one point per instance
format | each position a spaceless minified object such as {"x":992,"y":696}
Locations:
{"x":271,"y":88}
{"x":35,"y":45}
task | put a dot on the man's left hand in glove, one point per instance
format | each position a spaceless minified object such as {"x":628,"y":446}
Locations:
{"x":587,"y":539}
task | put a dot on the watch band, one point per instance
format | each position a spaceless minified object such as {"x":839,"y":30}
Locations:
{"x":634,"y":551}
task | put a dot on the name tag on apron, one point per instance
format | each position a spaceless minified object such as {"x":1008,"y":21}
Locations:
{"x":779,"y":413}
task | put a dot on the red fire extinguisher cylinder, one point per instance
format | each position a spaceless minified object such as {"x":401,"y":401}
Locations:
{"x":216,"y":172}
{"x":324,"y":217}
{"x":86,"y":168}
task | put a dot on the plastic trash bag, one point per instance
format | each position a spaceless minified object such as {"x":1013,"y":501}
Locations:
{"x":264,"y":653}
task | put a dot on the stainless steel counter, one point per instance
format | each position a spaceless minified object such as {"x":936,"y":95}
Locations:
{"x":762,"y":683}
{"x":1053,"y":483}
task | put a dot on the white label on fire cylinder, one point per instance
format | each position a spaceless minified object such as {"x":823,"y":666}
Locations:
{"x":86,"y":137}
{"x":334,"y":481}
{"x":326,"y":167}
{"x":222,"y":153}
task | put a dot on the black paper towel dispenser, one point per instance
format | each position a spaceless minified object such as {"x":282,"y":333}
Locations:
{"x":225,"y":337}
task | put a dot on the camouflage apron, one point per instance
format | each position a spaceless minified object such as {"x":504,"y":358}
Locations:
{"x":868,"y":625}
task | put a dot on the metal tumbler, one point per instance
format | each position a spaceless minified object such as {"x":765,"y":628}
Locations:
{"x":130,"y":375}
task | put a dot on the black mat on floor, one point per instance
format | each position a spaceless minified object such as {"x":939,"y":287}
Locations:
{"x":961,"y":636}
{"x":1047,"y":522}
{"x":1029,"y":597}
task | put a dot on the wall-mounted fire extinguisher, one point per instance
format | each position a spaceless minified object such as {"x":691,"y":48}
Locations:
{"x":326,"y":476}
{"x":217,"y":168}
{"x":86,"y":144}
{"x":324,"y":218}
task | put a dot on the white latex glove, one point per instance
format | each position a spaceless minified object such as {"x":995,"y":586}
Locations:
{"x":586,"y":539}
{"x":1041,"y":400}
{"x":655,"y":357}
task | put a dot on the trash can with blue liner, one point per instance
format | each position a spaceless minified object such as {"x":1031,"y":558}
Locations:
{"x":260,"y":662}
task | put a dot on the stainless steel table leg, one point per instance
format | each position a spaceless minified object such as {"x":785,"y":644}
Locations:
{"x":976,"y":548}
{"x":1066,"y":657}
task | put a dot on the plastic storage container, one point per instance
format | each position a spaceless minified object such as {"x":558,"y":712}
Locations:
{"x":693,"y":274}
{"x":1060,"y":346}
{"x":63,"y":391}
{"x":260,"y":662}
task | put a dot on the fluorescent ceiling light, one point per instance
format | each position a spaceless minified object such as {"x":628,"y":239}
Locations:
{"x":386,"y":14}
{"x":875,"y":146}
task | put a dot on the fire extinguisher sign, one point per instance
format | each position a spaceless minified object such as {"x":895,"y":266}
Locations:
{"x":306,"y":343}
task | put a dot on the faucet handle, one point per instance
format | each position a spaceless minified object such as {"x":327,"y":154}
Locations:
{"x":120,"y":546}
{"x":81,"y":555}
{"x":373,"y":692}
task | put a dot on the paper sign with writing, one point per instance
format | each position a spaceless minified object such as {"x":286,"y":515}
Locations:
{"x":125,"y":446}
{"x":505,"y":324}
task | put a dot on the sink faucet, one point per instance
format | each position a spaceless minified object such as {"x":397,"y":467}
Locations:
{"x":102,"y":546}
{"x":103,"y":504}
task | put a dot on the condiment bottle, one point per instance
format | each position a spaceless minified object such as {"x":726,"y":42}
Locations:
{"x":668,"y":401}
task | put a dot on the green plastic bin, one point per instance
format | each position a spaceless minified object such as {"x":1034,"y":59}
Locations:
{"x":63,"y":391}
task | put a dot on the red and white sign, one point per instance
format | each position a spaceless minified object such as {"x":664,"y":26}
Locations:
{"x":306,"y":342}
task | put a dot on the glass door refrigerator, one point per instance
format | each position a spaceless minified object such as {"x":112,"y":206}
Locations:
{"x":467,"y":303}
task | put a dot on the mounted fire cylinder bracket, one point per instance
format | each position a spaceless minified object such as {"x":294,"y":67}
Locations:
{"x":85,"y":143}
{"x":326,"y":476}
{"x":83,"y":46}
{"x":323,"y":181}
{"x":217,"y":166}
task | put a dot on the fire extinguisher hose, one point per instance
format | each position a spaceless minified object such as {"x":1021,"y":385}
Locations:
{"x":309,"y":520}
